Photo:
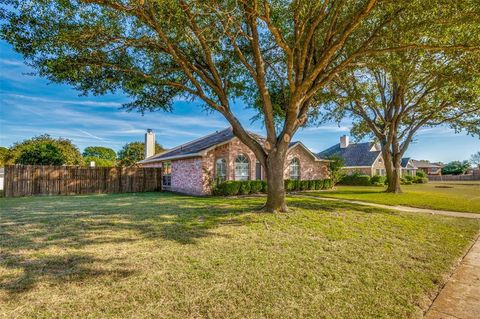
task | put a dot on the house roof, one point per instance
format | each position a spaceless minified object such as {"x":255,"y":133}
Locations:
{"x":425,"y":164}
{"x":200,"y":146}
{"x":355,"y":154}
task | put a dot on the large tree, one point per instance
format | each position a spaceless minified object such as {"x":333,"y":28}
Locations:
{"x":216,"y":51}
{"x":39,"y":149}
{"x":400,"y":93}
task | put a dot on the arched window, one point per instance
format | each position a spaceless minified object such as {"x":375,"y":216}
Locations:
{"x":295,"y":169}
{"x":220,"y":170}
{"x":242,"y":168}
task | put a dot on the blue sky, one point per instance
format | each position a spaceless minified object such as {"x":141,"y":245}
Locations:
{"x":30,"y":106}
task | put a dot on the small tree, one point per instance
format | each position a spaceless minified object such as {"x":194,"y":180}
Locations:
{"x":133,"y":152}
{"x":475,"y":159}
{"x":336,"y":164}
{"x":70,"y":153}
{"x":455,"y":168}
{"x":45,"y":153}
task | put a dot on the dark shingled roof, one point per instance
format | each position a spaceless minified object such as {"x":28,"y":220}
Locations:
{"x":202,"y":144}
{"x":404,"y":162}
{"x":196,"y":146}
{"x":358,"y":154}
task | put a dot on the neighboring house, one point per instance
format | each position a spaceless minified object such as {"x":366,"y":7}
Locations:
{"x":408,"y":167}
{"x":365,"y":158}
{"x":427,"y":167}
{"x":193,"y":167}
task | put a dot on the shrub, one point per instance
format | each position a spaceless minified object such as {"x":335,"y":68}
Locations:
{"x":304,"y":185}
{"x":311,"y":184}
{"x":318,"y":184}
{"x":255,"y":187}
{"x":405,"y":181}
{"x":264,"y":186}
{"x":244,"y":188}
{"x":420,"y":180}
{"x":327,"y":183}
{"x":409,"y":178}
{"x":378,"y":180}
{"x":289,"y":185}
{"x":356,"y":179}
{"x":421,"y":174}
{"x":230,"y":188}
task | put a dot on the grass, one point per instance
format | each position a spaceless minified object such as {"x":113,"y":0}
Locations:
{"x":461,"y":196}
{"x":157,"y":255}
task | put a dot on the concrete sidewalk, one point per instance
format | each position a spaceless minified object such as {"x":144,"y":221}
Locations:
{"x":397,"y":208}
{"x":460,"y":297}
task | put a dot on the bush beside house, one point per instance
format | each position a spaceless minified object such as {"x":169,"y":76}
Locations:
{"x":233,"y":188}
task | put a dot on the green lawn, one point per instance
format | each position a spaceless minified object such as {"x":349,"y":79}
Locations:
{"x":167,"y":256}
{"x":459,"y":196}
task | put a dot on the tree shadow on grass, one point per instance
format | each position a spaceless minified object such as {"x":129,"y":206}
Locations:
{"x":335,"y":206}
{"x":31,"y":226}
{"x":61,"y":268}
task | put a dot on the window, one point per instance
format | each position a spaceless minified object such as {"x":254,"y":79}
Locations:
{"x":242,"y":168}
{"x":220,"y":170}
{"x":295,"y":169}
{"x":380,"y":172}
{"x":167,"y":173}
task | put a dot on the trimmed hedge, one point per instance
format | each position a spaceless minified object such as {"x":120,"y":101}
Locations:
{"x":356,"y":179}
{"x":232,"y":188}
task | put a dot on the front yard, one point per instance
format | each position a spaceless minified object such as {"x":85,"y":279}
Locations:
{"x":452,"y":196}
{"x":161,"y":255}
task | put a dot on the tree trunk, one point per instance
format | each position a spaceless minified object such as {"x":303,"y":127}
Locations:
{"x":393,"y":169}
{"x":276,"y":190}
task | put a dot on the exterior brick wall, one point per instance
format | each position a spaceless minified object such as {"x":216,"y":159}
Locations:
{"x":309,"y":167}
{"x":196,"y":175}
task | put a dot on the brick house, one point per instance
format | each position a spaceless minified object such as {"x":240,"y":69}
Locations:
{"x":364,"y":158}
{"x":193,"y":167}
{"x":428,"y":168}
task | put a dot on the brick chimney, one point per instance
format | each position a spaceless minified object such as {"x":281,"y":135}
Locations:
{"x":344,"y":141}
{"x":149,"y":143}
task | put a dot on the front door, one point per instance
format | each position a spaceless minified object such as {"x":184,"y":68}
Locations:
{"x":258,"y":171}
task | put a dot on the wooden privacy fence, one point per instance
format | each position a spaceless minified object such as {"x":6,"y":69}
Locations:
{"x":452,"y":178}
{"x":26,"y":180}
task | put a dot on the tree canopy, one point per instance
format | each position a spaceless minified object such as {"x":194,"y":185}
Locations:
{"x":3,"y":155}
{"x":100,"y":152}
{"x":44,"y":144}
{"x":133,"y":152}
{"x":475,"y":158}
{"x":455,"y":168}
{"x":44,"y":153}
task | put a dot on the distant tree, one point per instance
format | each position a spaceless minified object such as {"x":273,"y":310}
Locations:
{"x":336,"y":165}
{"x":475,"y":159}
{"x":133,"y":152}
{"x":456,"y":168}
{"x":403,"y":92}
{"x":3,"y":154}
{"x":70,"y":153}
{"x":102,"y":156}
{"x":100,"y":152}
{"x":45,"y":153}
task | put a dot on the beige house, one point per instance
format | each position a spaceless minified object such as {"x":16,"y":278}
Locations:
{"x":193,"y":167}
